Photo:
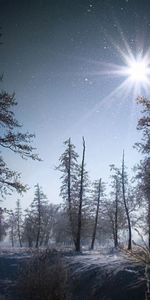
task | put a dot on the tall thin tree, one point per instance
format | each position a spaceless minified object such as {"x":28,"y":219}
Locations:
{"x":144,"y":147}
{"x":124,"y":182}
{"x":98,"y":196}
{"x":78,"y":241}
{"x":18,"y":215}
{"x":68,"y":166}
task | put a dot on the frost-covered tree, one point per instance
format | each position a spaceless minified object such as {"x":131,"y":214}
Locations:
{"x":68,"y":166}
{"x":49,"y":222}
{"x":73,"y":189}
{"x":116,"y":202}
{"x":143,"y":174}
{"x":12,"y":226}
{"x":121,"y":204}
{"x":40,"y":221}
{"x":124,"y":183}
{"x":97,"y":193}
{"x":15,"y":224}
{"x":19,"y":222}
{"x":3,"y":224}
{"x":29,"y":230}
{"x":61,"y":230}
{"x":144,"y":126}
{"x":81,"y":195}
{"x":12,"y":138}
{"x":114,"y":208}
{"x":38,"y":208}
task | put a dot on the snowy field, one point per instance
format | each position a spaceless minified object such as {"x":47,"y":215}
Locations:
{"x":94,"y":275}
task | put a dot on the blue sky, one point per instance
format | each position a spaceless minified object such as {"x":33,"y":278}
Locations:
{"x":54,"y":57}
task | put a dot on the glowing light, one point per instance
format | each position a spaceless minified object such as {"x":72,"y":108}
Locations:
{"x":138,"y":71}
{"x":133,"y":74}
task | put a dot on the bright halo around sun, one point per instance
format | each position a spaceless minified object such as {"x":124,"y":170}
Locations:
{"x":135,"y":70}
{"x":138,"y":71}
{"x":133,"y":74}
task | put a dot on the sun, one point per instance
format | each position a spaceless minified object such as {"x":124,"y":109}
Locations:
{"x":133,"y":74}
{"x":135,"y":71}
{"x":132,"y":71}
{"x":138,"y":71}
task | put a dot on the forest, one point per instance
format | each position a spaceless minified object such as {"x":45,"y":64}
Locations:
{"x":91,"y":212}
{"x":80,"y":71}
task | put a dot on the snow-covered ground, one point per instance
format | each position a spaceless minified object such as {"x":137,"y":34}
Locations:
{"x":93,"y":275}
{"x":98,"y":276}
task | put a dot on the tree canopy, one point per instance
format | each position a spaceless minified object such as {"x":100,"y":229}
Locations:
{"x":12,"y":138}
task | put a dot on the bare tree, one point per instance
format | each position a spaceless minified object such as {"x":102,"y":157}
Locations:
{"x":73,"y":190}
{"x":29,"y":230}
{"x":39,"y":205}
{"x":97,"y":195}
{"x":3,"y":224}
{"x":48,"y":223}
{"x":12,"y":226}
{"x":124,"y":183}
{"x":116,"y":207}
{"x":79,"y":228}
{"x":18,"y":216}
{"x":144,"y":147}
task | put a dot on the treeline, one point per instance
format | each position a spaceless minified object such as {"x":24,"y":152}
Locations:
{"x":89,"y":212}
{"x":82,"y":218}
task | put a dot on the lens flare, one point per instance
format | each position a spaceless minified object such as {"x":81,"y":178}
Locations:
{"x":135,"y":70}
{"x":138,"y":71}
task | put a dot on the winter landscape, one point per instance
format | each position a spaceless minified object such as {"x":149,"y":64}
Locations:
{"x":74,"y":150}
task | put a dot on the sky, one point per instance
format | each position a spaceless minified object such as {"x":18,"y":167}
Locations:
{"x":66,"y":62}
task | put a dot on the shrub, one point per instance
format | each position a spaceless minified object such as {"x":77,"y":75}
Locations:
{"x":44,"y":277}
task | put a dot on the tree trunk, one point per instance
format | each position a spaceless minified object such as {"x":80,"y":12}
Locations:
{"x":38,"y":237}
{"x":12,"y":242}
{"x":78,"y":240}
{"x":12,"y":236}
{"x":149,"y":222}
{"x":1,"y":212}
{"x":147,"y":275}
{"x":96,"y":217}
{"x":116,"y":218}
{"x":19,"y":235}
{"x":39,"y":218}
{"x":69,"y":196}
{"x":126,"y":207}
{"x":18,"y":221}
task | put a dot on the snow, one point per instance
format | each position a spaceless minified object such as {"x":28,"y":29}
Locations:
{"x":101,"y":272}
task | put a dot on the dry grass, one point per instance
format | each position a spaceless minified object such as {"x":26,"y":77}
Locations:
{"x":45,"y":277}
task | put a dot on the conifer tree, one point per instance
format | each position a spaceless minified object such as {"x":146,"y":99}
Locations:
{"x":144,"y":147}
{"x":38,"y":208}
{"x":68,"y":166}
{"x":13,"y":139}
